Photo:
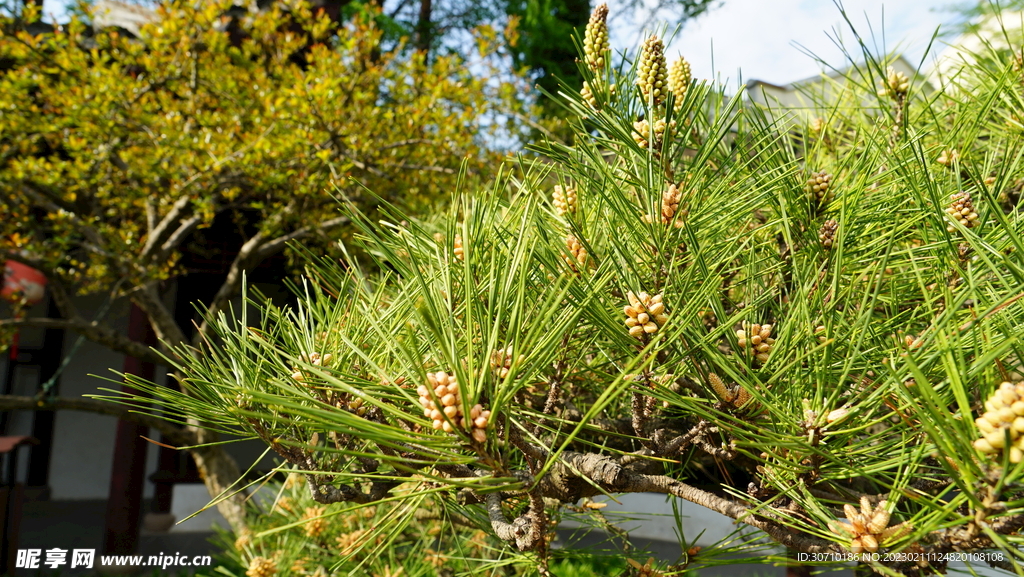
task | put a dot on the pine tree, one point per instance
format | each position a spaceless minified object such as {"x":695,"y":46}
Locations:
{"x":828,"y":369}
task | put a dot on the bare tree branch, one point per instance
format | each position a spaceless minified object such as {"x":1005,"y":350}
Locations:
{"x":166,"y":328}
{"x":272,"y":247}
{"x":184,"y":229}
{"x":98,"y":333}
{"x":161,"y":230}
{"x":171,"y":432}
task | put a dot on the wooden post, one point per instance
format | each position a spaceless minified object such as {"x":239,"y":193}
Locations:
{"x":128,"y":475}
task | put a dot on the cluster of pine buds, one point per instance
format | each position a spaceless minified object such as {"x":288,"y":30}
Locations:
{"x":501,"y":361}
{"x":961,"y":209}
{"x":912,"y":342}
{"x":736,"y":395}
{"x":669,"y":207}
{"x":589,"y":93}
{"x":868,"y":527}
{"x":827,"y":234}
{"x":651,"y":76}
{"x":261,"y":567}
{"x":349,"y":543}
{"x":756,"y":340}
{"x":819,"y":188}
{"x":595,"y":39}
{"x":357,"y":406}
{"x":679,"y":77}
{"x":576,"y":254}
{"x":642,"y":134}
{"x":243,"y":541}
{"x":818,"y":125}
{"x":948,"y":157}
{"x":564,"y":199}
{"x":314,"y":522}
{"x":315,"y":359}
{"x":1004,"y":412}
{"x":644,"y":314}
{"x":448,"y":404}
{"x":896,"y":84}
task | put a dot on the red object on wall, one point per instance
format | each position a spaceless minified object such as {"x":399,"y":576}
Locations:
{"x":22,"y":281}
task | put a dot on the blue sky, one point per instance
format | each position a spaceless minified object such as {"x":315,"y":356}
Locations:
{"x":761,"y":37}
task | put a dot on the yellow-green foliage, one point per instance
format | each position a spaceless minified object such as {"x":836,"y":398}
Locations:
{"x":102,"y":136}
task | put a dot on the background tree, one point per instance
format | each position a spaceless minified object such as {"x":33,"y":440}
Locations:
{"x":819,"y":337}
{"x":544,"y":29}
{"x":119,"y":156}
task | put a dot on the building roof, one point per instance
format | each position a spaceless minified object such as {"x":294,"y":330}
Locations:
{"x":810,"y":92}
{"x":114,"y":14}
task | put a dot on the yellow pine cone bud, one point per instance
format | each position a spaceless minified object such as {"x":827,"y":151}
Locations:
{"x":736,"y":395}
{"x":896,"y":84}
{"x":592,"y":92}
{"x":869,"y":526}
{"x":642,"y":134}
{"x":318,"y":360}
{"x":501,"y":361}
{"x":595,"y":39}
{"x":445,"y":388}
{"x":818,"y":125}
{"x":588,"y":96}
{"x":961,"y":209}
{"x":837,"y":416}
{"x":827,"y":234}
{"x":244,"y":540}
{"x":756,"y":340}
{"x":670,"y":207}
{"x":652,"y":72}
{"x":350,"y":542}
{"x":645,"y":314}
{"x":314,"y":524}
{"x":564,"y":199}
{"x":1004,"y":414}
{"x":948,"y":157}
{"x":357,"y":406}
{"x":818,"y":188}
{"x":261,"y":567}
{"x":912,"y":342}
{"x":576,"y":256}
{"x":446,"y":412}
{"x":679,"y":77}
{"x":459,"y":251}
{"x":819,"y":332}
{"x":479,"y":418}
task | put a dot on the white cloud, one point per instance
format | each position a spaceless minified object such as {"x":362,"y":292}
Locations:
{"x":760,"y":37}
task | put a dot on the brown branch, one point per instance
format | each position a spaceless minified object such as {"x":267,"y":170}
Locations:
{"x":272,"y":247}
{"x":94,"y":331}
{"x":565,"y":482}
{"x":517,"y":531}
{"x":164,"y":325}
{"x":170,"y":431}
{"x":161,"y":230}
{"x":184,"y":229}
